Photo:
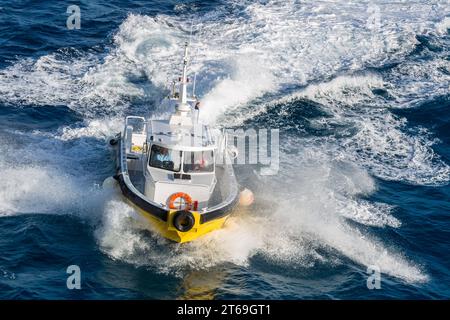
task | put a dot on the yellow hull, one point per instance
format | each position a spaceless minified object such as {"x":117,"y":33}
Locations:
{"x":161,"y":219}
{"x":167,"y":229}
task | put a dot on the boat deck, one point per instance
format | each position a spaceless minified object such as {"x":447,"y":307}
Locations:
{"x":138,"y":181}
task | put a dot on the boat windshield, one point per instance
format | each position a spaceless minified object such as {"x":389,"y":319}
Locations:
{"x":198,"y":161}
{"x":164,"y":158}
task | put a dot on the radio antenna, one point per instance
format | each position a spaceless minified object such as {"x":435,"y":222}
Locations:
{"x":190,"y":34}
{"x":193,"y":85}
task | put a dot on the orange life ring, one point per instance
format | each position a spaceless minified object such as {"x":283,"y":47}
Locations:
{"x":187,"y":198}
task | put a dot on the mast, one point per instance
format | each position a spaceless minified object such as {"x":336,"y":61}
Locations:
{"x":183,"y":106}
{"x":183,"y":109}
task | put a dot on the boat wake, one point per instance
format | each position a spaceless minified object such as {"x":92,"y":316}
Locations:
{"x":317,"y":231}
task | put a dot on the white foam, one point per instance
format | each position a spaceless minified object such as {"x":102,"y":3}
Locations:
{"x":45,"y":174}
{"x":267,"y":45}
{"x":291,"y":233}
{"x":350,"y":90}
{"x":382,"y":143}
{"x":443,"y":26}
{"x":369,"y":214}
{"x":116,"y":234}
{"x":248,"y":81}
{"x":319,"y":216}
{"x":50,"y":80}
{"x":30,"y":189}
{"x":415,"y":82}
{"x":97,"y":128}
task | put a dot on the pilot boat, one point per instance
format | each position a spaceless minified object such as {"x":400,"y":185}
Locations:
{"x":177,"y":172}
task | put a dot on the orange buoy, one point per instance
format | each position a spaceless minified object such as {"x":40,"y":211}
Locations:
{"x":246,"y":198}
{"x":184,"y":197}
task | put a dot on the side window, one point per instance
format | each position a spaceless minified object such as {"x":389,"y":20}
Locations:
{"x":201,"y":161}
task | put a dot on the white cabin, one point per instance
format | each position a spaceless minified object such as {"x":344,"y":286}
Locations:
{"x":177,"y":154}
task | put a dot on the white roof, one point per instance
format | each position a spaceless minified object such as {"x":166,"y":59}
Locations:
{"x":190,"y":138}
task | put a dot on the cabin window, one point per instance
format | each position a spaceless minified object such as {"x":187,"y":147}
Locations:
{"x":198,"y":161}
{"x":164,"y":158}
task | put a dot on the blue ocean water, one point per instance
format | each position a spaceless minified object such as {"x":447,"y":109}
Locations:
{"x":359,"y":92}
